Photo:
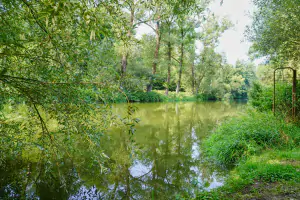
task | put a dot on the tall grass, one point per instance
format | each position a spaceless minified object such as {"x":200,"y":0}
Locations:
{"x":247,"y":135}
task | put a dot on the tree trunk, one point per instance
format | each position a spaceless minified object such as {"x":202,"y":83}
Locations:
{"x":180,"y":64}
{"x":199,"y":83}
{"x":128,"y":192}
{"x":193,"y":77}
{"x":169,"y":65}
{"x":156,"y":55}
{"x":197,"y":89}
{"x":155,"y":163}
{"x":125,"y":52}
{"x":124,"y":64}
{"x":179,"y":160}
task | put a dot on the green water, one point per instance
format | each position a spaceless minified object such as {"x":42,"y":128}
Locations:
{"x":161,"y":160}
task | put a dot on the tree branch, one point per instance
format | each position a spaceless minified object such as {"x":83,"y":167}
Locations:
{"x":175,"y":59}
{"x":35,"y":17}
{"x":150,"y":26}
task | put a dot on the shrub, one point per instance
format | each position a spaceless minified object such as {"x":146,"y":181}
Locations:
{"x":206,"y":97}
{"x":141,"y":96}
{"x":149,"y":97}
{"x":138,"y":96}
{"x":261,"y":97}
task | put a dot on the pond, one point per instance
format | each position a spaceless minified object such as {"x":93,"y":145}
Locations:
{"x":161,"y":160}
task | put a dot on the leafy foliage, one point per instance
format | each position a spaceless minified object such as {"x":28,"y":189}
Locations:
{"x":56,"y":78}
{"x":275,"y":29}
{"x":261,"y":97}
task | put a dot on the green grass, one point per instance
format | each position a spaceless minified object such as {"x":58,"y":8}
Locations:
{"x":274,"y":173}
{"x":266,"y":155}
{"x":247,"y":135}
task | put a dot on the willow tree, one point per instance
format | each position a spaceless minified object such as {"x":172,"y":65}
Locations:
{"x":52,"y":65}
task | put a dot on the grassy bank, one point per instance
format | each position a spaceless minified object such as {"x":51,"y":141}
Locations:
{"x":266,"y":154}
{"x":274,"y":174}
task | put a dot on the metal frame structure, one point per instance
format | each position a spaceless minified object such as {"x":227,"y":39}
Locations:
{"x":294,"y":97}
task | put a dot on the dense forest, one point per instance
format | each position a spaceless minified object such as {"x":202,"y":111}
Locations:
{"x":65,"y":64}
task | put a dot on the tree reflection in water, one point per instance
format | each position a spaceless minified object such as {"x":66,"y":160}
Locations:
{"x":161,"y":161}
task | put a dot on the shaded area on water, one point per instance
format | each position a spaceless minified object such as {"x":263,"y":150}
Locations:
{"x":161,"y":160}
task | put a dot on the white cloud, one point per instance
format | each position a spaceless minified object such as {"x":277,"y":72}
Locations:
{"x":143,"y":29}
{"x":233,"y":42}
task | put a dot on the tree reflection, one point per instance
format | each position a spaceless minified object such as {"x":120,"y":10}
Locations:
{"x":161,"y":161}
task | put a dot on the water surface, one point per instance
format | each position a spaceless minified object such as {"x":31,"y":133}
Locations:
{"x":161,"y":160}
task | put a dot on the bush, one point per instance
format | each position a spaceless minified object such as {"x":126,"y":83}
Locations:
{"x":206,"y":97}
{"x":138,"y":96}
{"x":182,"y":96}
{"x":148,"y":97}
{"x":261,"y":97}
{"x":246,"y":135}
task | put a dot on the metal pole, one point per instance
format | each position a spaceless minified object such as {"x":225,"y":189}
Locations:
{"x":274,"y":92}
{"x":294,"y":90}
{"x":294,"y":93}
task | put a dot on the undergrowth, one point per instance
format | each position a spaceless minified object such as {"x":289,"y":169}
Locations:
{"x":261,"y":98}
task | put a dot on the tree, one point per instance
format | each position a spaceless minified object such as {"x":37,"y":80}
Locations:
{"x":52,"y":69}
{"x":186,"y":31}
{"x":275,"y":30}
{"x":208,"y":62}
{"x":207,"y":66}
{"x":136,"y":11}
{"x":163,"y":14}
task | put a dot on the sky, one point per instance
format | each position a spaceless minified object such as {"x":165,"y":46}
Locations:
{"x":233,"y":42}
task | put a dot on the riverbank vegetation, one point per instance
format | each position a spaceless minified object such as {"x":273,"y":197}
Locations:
{"x":242,"y":137}
{"x":261,"y":152}
{"x":159,"y":96}
{"x":273,"y":174}
{"x":261,"y":149}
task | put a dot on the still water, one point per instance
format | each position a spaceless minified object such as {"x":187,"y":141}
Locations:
{"x":161,"y":160}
